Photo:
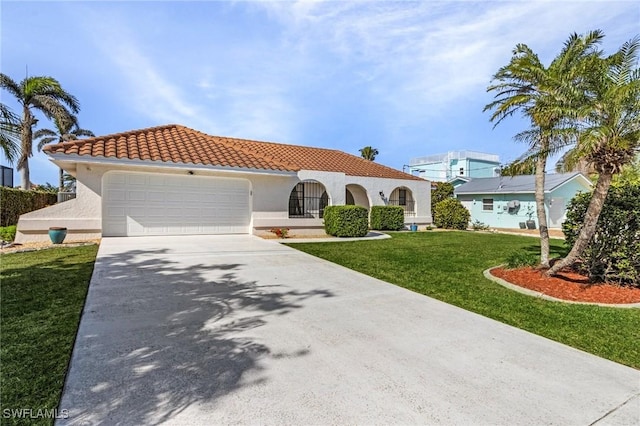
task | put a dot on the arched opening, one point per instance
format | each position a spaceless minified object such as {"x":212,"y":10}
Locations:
{"x":308,"y":200}
{"x":403,"y":197}
{"x":349,"y":200}
{"x":356,"y":196}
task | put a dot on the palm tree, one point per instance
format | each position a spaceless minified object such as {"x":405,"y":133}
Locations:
{"x":9,"y":133}
{"x":610,"y":137}
{"x":547,"y":96}
{"x":568,"y":163}
{"x":45,"y":95}
{"x":369,"y":153}
{"x":65,"y":131}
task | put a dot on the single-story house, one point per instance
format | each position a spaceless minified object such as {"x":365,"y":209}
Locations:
{"x":173,"y":180}
{"x":458,"y":180}
{"x":509,"y":201}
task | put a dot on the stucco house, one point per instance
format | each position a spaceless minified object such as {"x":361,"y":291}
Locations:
{"x":509,"y":202}
{"x":173,"y":180}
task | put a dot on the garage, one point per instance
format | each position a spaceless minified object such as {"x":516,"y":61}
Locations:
{"x":136,"y":204}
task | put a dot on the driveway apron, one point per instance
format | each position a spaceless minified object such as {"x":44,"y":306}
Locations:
{"x":201,"y":330}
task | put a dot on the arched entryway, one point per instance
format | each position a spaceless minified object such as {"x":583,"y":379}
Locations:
{"x":403,"y":197}
{"x":308,"y":200}
{"x":356,"y":196}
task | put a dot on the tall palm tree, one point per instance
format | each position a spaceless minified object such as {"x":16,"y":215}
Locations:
{"x":44,"y":94}
{"x":369,"y":153}
{"x":65,"y":131}
{"x":9,"y":133}
{"x":610,"y":137}
{"x":548,"y":97}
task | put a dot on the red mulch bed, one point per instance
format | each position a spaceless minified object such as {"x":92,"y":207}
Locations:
{"x":568,"y":286}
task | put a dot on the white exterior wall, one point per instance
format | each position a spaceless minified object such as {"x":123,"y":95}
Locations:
{"x":269,"y":197}
{"x":420,"y":192}
{"x":81,"y":216}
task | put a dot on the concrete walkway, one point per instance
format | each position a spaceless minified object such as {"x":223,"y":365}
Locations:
{"x":210,"y":330}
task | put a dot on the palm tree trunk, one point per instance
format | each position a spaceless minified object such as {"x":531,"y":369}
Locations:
{"x":541,"y":163}
{"x":589,"y":226}
{"x":61,"y":181}
{"x":26,"y":139}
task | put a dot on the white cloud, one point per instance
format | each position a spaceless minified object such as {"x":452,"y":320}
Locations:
{"x":424,"y":62}
{"x":439,"y":51}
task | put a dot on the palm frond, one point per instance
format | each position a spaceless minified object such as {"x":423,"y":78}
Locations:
{"x":8,"y":84}
{"x":83,"y":133}
{"x":9,"y":133}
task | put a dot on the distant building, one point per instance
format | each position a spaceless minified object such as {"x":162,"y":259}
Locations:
{"x":445,"y":167}
{"x":509,"y":201}
{"x":6,"y":176}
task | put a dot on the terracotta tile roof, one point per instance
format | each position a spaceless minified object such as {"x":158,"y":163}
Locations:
{"x":179,"y":144}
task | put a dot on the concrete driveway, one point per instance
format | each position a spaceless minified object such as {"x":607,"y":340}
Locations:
{"x":237,"y":330}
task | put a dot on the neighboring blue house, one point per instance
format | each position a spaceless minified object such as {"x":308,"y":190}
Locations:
{"x":444,"y":167}
{"x":509,"y":202}
{"x":458,"y":180}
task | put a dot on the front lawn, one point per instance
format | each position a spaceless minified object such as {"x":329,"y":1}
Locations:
{"x":43,"y":293}
{"x":448,"y":266}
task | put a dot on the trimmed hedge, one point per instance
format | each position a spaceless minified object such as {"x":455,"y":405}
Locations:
{"x":451,"y":214}
{"x":613,"y":255}
{"x":346,"y":221}
{"x":14,"y":202}
{"x":387,"y":218}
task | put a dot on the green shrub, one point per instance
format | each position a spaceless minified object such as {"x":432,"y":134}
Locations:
{"x":441,"y":192}
{"x":346,"y":221}
{"x":8,"y":233}
{"x":451,"y":214}
{"x":613,"y":255}
{"x":521,"y":258}
{"x":387,"y":218}
{"x":14,"y":202}
{"x":479,"y":226}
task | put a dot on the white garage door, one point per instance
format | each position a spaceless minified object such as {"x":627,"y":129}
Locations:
{"x":135,"y":204}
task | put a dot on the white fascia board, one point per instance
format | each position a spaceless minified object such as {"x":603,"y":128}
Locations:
{"x":578,"y":176}
{"x":66,"y":158}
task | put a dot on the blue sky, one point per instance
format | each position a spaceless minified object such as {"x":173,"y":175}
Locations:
{"x":408,"y":78}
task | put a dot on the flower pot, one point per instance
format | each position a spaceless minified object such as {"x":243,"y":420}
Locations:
{"x":57,"y":234}
{"x":414,"y":227}
{"x":531,"y":224}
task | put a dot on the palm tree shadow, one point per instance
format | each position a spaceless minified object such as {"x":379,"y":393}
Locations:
{"x":157,"y":337}
{"x":554,"y":251}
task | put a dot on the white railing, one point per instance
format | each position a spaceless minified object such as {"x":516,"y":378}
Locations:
{"x":454,"y":155}
{"x":66,"y":196}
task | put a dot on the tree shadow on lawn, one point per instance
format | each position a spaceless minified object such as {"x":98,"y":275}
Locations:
{"x":554,"y":251}
{"x":157,"y":336}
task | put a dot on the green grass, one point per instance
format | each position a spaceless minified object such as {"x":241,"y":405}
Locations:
{"x":43,"y":293}
{"x":448,"y":266}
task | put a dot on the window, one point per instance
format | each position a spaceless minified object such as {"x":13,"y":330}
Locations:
{"x":487,"y":204}
{"x":296,"y":201}
{"x":402,"y":197}
{"x":308,"y":200}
